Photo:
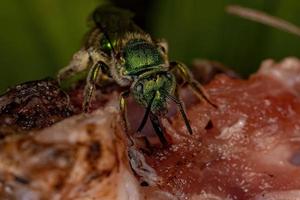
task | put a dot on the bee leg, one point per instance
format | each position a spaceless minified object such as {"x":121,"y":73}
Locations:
{"x":91,"y":81}
{"x":195,"y":85}
{"x":138,"y":140}
{"x":158,"y":130}
{"x":123,"y":109}
{"x":179,"y":104}
{"x":145,"y":118}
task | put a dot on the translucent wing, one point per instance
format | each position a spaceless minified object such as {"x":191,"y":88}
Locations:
{"x":114,"y":22}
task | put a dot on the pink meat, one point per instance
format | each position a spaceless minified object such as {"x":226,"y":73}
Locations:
{"x":248,"y":148}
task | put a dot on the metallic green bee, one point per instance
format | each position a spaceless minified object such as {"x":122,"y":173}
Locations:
{"x":117,"y":49}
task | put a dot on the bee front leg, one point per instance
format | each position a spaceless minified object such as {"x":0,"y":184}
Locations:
{"x":91,"y":81}
{"x":197,"y":88}
{"x":123,"y":110}
{"x":158,"y":130}
{"x":142,"y":141}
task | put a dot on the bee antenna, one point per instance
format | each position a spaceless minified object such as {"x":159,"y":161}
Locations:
{"x":146,"y":115}
{"x":183,"y":114}
{"x":104,"y":32}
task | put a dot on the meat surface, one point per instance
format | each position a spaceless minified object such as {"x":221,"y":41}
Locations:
{"x":246,"y":149}
{"x":32,"y":105}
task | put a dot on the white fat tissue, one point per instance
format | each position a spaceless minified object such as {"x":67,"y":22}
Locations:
{"x":228,"y":133}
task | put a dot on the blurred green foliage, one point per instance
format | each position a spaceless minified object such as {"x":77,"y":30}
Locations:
{"x":203,"y":29}
{"x":38,"y":37}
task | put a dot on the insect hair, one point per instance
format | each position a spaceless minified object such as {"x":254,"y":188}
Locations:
{"x":135,"y":36}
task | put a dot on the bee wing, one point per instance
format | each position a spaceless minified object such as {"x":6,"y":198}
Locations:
{"x":114,"y":22}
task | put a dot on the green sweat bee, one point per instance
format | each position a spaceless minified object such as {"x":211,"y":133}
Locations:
{"x":117,"y":49}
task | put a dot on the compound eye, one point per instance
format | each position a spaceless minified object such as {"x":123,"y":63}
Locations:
{"x":105,"y":45}
{"x":139,"y":88}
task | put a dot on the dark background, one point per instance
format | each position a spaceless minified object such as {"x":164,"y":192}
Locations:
{"x":38,"y":37}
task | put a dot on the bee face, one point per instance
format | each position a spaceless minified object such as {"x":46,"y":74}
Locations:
{"x":154,"y":85}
